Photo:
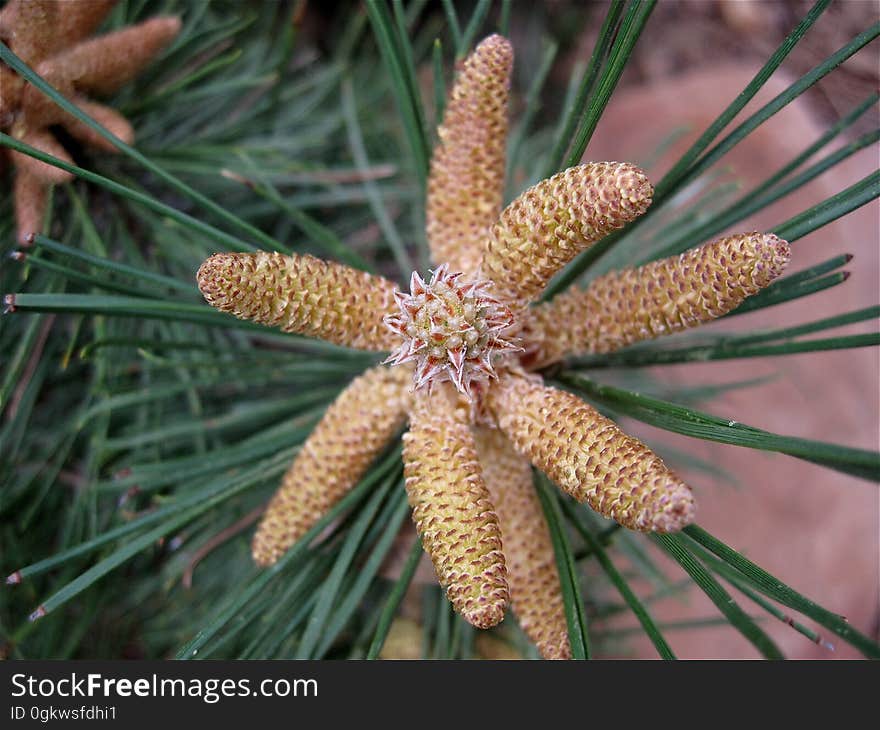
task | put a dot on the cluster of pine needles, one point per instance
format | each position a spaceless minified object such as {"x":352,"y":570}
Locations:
{"x":142,"y":432}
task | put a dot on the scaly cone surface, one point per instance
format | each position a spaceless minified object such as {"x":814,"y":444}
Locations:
{"x":589,"y":457}
{"x":451,"y":506}
{"x":466,"y":183}
{"x":535,"y":591}
{"x":553,"y":221}
{"x":302,"y":294}
{"x":666,"y":296}
{"x":355,"y":428}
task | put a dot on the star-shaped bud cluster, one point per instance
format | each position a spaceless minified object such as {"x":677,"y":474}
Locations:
{"x":452,"y":329}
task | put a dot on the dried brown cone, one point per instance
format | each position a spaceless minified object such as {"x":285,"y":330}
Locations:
{"x":535,"y":591}
{"x":44,"y":141}
{"x":451,"y":506}
{"x":48,"y":35}
{"x":78,"y":19}
{"x":302,"y":294}
{"x":29,"y":25}
{"x":589,"y":457}
{"x":353,"y":431}
{"x":553,"y":221}
{"x":624,"y":307}
{"x":10,"y":93}
{"x":104,"y":64}
{"x":466,"y":183}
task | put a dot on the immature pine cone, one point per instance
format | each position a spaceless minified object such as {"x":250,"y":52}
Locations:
{"x":666,"y":296}
{"x":352,"y":432}
{"x":589,"y":457}
{"x":466,"y":183}
{"x":535,"y":592}
{"x":553,"y":221}
{"x":451,"y":506}
{"x":302,"y":294}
